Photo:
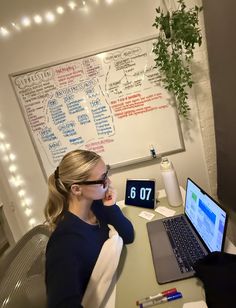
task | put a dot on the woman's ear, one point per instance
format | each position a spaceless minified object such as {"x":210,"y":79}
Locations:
{"x":76,"y":190}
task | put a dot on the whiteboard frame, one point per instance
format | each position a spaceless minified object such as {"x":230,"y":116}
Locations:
{"x":86,"y":55}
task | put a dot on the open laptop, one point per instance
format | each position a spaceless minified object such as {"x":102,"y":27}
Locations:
{"x":206,"y":224}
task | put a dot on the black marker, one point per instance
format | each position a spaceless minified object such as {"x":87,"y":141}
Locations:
{"x":153,"y":152}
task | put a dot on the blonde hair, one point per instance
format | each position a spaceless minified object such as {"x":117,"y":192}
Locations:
{"x":74,"y":167}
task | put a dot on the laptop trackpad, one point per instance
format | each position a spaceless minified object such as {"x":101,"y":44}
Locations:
{"x":159,"y":240}
{"x":164,"y":261}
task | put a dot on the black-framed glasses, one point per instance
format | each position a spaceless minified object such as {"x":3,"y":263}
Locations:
{"x":103,"y":181}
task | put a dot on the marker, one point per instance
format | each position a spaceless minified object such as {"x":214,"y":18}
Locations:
{"x":153,"y":152}
{"x":157,"y":296}
{"x":169,"y":298}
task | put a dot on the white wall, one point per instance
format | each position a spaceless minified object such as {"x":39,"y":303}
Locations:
{"x":103,"y":25}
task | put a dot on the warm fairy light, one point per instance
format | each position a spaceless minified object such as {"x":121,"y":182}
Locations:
{"x":28,"y":201}
{"x":16,"y":181}
{"x":28,"y":212}
{"x":15,"y":178}
{"x":72,"y":5}
{"x":7,"y":146}
{"x":32,"y":222}
{"x":12,"y":156}
{"x":23,"y":203}
{"x":4,"y":31}
{"x":12,"y":168}
{"x":21,"y":193}
{"x":50,"y":17}
{"x":26,"y":21}
{"x":60,"y":10}
{"x":2,"y":136}
{"x":37,"y":19}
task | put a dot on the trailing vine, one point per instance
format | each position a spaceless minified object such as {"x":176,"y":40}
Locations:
{"x":178,"y":34}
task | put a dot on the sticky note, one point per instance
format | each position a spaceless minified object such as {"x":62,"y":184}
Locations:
{"x":146,"y":215}
{"x":165,"y":211}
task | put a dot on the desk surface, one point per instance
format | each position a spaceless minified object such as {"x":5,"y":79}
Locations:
{"x":136,"y":276}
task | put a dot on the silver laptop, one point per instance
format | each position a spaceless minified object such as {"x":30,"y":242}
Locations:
{"x":204,"y":226}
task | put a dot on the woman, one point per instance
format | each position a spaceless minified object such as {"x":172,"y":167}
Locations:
{"x":81,"y":203}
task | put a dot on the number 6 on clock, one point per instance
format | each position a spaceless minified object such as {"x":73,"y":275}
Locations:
{"x":141,"y":192}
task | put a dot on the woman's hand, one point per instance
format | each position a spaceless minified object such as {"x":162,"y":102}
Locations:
{"x":110,"y":196}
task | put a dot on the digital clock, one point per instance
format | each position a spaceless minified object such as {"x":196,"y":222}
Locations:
{"x":140,"y":192}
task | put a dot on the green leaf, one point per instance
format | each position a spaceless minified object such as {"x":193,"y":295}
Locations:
{"x":178,"y":34}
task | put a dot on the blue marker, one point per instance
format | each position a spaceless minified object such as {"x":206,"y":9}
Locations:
{"x":169,"y":298}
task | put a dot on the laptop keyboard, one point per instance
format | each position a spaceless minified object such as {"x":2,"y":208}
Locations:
{"x":185,"y":246}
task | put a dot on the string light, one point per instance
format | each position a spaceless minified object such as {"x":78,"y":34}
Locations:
{"x":25,"y":21}
{"x":4,"y":31}
{"x":23,"y":203}
{"x":32,"y":222}
{"x":28,"y":201}
{"x":49,"y":17}
{"x":16,"y":180}
{"x":12,"y":168}
{"x":12,"y":156}
{"x":28,"y":212}
{"x":60,"y":10}
{"x":7,"y":146}
{"x":2,"y":136}
{"x":21,"y":193}
{"x":72,"y":5}
{"x":37,"y":19}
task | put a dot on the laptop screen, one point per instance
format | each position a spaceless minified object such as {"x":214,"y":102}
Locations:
{"x":206,"y":215}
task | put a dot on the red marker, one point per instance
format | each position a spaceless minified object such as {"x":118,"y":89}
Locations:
{"x":157,"y":296}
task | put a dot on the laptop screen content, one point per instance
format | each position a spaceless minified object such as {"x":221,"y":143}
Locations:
{"x":206,"y":216}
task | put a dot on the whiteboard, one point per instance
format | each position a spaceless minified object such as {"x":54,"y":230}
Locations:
{"x":110,"y":102}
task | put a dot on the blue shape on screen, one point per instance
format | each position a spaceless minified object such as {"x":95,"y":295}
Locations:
{"x":221,"y":226}
{"x":205,"y":209}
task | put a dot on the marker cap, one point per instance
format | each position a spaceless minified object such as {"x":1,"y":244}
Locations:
{"x":174,"y":296}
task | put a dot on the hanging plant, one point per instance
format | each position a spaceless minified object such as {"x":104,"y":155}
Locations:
{"x":178,"y":34}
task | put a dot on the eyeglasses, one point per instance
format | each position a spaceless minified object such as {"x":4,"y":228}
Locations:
{"x":103,"y":181}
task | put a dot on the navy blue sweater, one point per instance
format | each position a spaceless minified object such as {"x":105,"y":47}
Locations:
{"x":72,"y":252}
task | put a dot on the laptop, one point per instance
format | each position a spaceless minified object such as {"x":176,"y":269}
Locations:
{"x":203,"y":223}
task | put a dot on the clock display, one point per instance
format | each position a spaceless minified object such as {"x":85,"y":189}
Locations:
{"x":140,"y":193}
